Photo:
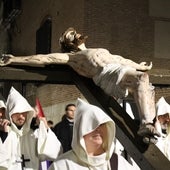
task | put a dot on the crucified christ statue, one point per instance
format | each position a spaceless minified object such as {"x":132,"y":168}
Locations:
{"x":116,"y":75}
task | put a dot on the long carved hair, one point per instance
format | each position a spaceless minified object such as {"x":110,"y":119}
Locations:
{"x":70,"y":45}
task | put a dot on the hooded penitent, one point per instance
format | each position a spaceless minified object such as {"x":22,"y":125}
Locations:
{"x":162,"y":107}
{"x":2,"y":106}
{"x":34,"y":146}
{"x":16,"y":103}
{"x":3,"y":134}
{"x":87,"y":118}
{"x":2,"y":102}
{"x":163,"y":143}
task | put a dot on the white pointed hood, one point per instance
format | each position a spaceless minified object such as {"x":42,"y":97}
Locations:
{"x":162,"y":107}
{"x":2,"y":102}
{"x":87,"y":118}
{"x":16,"y":103}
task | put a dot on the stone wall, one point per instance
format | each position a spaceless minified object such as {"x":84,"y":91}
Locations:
{"x":63,"y":13}
{"x":4,"y":36}
{"x":123,"y":27}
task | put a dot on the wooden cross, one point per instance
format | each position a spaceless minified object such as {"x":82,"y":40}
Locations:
{"x":22,"y":161}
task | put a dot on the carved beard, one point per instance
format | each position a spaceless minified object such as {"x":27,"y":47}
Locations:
{"x":80,"y":40}
{"x":68,"y":45}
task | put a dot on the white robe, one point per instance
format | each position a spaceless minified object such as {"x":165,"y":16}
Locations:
{"x":37,"y":145}
{"x":162,"y":107}
{"x":32,"y":146}
{"x":87,"y":119}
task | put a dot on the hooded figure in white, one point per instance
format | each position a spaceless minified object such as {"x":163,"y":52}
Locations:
{"x":162,"y":108}
{"x":87,"y":119}
{"x":24,"y":142}
{"x":3,"y":120}
{"x":2,"y":104}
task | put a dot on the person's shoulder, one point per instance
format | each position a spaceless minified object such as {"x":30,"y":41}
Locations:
{"x":64,"y":160}
{"x":95,"y":49}
{"x":103,"y":49}
{"x":67,"y":155}
{"x":98,"y":50}
{"x":92,"y":51}
{"x":59,"y":124}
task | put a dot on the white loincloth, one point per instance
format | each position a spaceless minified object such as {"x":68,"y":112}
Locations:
{"x":110,"y":78}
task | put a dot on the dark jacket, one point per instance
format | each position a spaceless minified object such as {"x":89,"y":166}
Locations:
{"x":64,"y":132}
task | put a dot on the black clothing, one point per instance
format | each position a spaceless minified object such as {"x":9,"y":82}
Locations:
{"x":33,"y":125}
{"x":3,"y":135}
{"x":114,"y":161}
{"x":64,"y":131}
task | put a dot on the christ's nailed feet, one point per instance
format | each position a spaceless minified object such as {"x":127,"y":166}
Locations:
{"x":149,"y":133}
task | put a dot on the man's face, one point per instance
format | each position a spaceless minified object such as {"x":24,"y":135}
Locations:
{"x":2,"y":113}
{"x":19,"y":118}
{"x":70,"y":112}
{"x":71,"y":40}
{"x":75,"y":38}
{"x":164,"y":120}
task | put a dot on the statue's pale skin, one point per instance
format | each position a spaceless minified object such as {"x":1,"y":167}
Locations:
{"x":88,"y":64}
{"x":83,"y":62}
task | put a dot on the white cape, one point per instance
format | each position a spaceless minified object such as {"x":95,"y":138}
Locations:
{"x":41,"y":144}
{"x":32,"y":145}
